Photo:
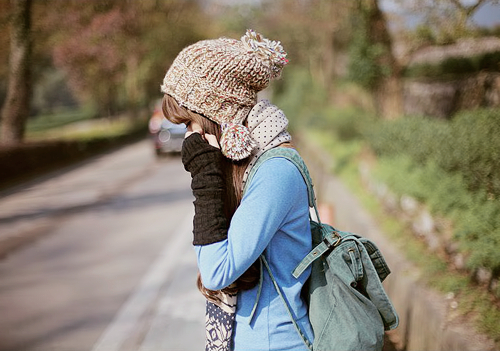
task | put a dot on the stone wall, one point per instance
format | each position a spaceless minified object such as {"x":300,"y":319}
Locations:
{"x":475,"y":84}
{"x":442,"y":98}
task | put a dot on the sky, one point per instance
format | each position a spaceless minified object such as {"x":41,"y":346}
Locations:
{"x":487,"y":15}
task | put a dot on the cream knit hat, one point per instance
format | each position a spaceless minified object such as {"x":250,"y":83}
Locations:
{"x":220,"y":79}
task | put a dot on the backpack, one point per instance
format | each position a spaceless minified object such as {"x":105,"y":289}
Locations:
{"x":347,"y":304}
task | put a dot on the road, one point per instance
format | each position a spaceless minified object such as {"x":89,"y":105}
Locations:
{"x":98,"y":257}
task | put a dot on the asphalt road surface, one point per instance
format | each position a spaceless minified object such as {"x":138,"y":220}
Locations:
{"x":98,"y":257}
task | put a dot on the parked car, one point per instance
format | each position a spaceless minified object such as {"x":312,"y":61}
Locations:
{"x":167,"y":137}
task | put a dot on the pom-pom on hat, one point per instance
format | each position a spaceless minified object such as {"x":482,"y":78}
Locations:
{"x":220,"y":79}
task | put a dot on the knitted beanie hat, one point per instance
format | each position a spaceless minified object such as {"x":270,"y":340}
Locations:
{"x":220,"y":78}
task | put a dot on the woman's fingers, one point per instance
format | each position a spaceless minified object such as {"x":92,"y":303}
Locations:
{"x":194,"y":127}
{"x":189,"y":132}
{"x":209,"y":138}
{"x":212,"y":140}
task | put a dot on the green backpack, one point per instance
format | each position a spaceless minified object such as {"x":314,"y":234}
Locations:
{"x":347,"y":304}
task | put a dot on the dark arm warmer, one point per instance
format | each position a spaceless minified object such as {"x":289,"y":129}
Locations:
{"x":204,"y":162}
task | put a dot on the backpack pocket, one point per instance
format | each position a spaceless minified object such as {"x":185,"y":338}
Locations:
{"x":349,"y":320}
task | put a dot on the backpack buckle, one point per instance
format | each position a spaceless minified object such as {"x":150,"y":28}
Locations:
{"x":335,"y":243}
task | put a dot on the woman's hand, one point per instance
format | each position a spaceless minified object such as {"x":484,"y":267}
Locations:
{"x":194,"y":127}
{"x":212,"y":140}
{"x":205,"y":163}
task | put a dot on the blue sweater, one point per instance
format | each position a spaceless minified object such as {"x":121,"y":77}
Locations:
{"x":273,"y":218}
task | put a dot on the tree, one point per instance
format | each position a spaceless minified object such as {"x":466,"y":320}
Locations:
{"x":445,"y":21}
{"x":315,"y":34}
{"x":371,"y":62}
{"x":92,"y":53}
{"x":16,"y":107}
{"x":4,"y":43}
{"x":116,"y":52}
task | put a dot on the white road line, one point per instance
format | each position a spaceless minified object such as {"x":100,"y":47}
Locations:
{"x":125,"y":321}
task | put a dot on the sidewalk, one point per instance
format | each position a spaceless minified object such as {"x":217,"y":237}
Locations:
{"x":165,"y":311}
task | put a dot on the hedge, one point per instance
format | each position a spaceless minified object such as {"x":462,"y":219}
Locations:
{"x":468,"y":145}
{"x":455,"y":66}
{"x":27,"y":160}
{"x":453,"y":167}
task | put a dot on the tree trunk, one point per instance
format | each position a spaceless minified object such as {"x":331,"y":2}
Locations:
{"x":388,"y":92}
{"x":16,"y":108}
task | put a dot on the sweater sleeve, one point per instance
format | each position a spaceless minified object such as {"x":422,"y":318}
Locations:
{"x":264,"y":209}
{"x":204,"y":162}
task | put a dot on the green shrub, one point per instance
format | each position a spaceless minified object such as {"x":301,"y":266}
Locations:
{"x":453,"y":167}
{"x":301,"y":100}
{"x":418,"y":137}
{"x":455,"y":66}
{"x":364,"y":67}
{"x":347,"y":124}
{"x":469,"y":145}
{"x":475,"y":150}
{"x":476,"y":218}
{"x":62,"y":118}
{"x":478,"y":232}
{"x":423,"y":182}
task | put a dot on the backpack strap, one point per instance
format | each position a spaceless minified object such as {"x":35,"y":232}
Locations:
{"x":285,"y":302}
{"x":331,"y":239}
{"x":293,"y":156}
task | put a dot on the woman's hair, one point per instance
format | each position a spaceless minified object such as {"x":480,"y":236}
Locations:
{"x":233,"y":173}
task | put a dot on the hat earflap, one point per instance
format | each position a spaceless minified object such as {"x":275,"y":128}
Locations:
{"x":236,"y":142}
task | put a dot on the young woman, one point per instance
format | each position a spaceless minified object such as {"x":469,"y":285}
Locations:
{"x":212,"y":87}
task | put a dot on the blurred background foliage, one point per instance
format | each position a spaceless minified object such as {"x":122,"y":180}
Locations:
{"x":110,"y":54}
{"x":353,"y":65}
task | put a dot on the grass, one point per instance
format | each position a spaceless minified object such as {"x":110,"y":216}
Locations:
{"x":77,"y":124}
{"x":46,"y":122}
{"x":473,"y":301}
{"x":86,"y":131}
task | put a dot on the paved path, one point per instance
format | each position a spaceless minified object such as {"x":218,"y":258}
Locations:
{"x":99,"y":257}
